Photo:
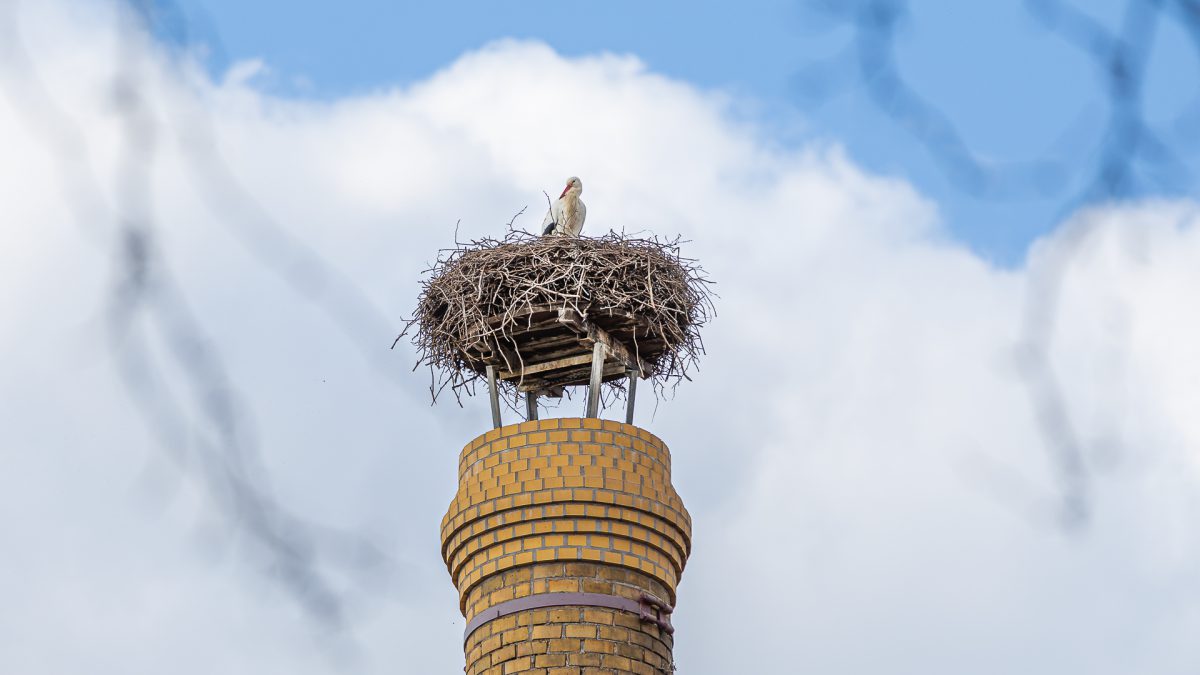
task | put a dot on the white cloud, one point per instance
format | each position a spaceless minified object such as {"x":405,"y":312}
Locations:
{"x":869,"y":483}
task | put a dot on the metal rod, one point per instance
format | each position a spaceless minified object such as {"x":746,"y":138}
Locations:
{"x":632,"y":394}
{"x":531,"y":406}
{"x":593,"y":400}
{"x":494,"y":394}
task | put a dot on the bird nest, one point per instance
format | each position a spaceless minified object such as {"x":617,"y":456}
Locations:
{"x":533,"y":308}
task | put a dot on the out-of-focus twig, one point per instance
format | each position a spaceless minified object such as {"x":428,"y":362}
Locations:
{"x":1130,"y":158}
{"x":171,"y":369}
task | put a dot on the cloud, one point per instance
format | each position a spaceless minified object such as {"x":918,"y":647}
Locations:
{"x":898,"y":516}
{"x":861,"y":452}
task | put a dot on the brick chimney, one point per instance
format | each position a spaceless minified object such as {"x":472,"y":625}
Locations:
{"x":566,"y":542}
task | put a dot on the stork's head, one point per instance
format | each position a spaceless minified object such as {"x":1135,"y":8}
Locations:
{"x":573,"y":183}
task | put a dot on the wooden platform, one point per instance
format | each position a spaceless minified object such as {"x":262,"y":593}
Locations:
{"x":544,"y":349}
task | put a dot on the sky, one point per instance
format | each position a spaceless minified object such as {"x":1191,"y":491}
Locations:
{"x":913,"y":446}
{"x":1016,"y":89}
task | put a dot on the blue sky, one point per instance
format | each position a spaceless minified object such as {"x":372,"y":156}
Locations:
{"x":1015,"y":90}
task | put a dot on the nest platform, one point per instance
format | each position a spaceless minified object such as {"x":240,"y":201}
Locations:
{"x":548,"y":348}
{"x":535,"y":315}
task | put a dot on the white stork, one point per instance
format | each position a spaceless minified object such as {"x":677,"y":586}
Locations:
{"x":567,"y":213}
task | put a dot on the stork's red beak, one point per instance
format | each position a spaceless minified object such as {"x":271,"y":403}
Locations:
{"x":564,"y":192}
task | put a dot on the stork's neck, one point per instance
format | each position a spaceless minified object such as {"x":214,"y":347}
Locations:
{"x":570,"y":204}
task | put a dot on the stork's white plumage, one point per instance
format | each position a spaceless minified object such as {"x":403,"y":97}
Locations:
{"x":567,"y":213}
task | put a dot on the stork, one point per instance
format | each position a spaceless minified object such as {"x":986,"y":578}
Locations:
{"x":567,"y":213}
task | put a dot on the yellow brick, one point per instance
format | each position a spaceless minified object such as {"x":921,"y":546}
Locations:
{"x":564,"y":586}
{"x":580,"y":631}
{"x":517,"y":665}
{"x":586,"y":660}
{"x":564,"y":645}
{"x":599,"y":647}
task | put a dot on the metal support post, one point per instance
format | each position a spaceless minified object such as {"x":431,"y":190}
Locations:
{"x":631,"y":395}
{"x":593,"y":400}
{"x":494,"y":394}
{"x":531,"y":406}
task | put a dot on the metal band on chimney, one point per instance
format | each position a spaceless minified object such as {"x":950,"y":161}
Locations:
{"x":648,"y":608}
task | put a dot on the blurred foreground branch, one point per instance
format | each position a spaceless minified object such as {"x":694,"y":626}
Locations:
{"x":1131,"y":156}
{"x":171,"y":369}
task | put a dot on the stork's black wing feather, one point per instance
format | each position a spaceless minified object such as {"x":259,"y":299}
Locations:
{"x":549,"y":228}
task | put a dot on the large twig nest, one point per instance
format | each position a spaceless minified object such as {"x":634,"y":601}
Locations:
{"x":487,"y":302}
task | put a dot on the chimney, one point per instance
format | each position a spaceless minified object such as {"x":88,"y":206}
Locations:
{"x":566,"y":542}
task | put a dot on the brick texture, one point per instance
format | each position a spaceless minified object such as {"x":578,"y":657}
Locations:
{"x":565,"y":505}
